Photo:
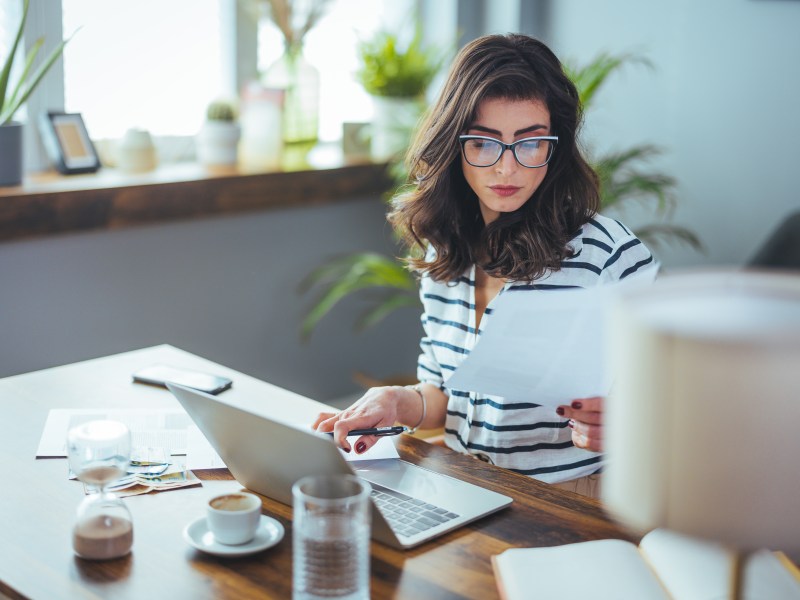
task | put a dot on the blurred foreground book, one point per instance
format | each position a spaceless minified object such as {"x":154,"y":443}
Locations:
{"x":665,"y":566}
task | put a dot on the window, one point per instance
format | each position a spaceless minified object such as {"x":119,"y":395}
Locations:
{"x":156,"y":64}
{"x":149,"y":64}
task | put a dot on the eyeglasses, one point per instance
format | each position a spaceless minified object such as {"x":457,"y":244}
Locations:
{"x":532,"y":153}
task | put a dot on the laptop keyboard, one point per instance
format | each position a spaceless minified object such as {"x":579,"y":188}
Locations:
{"x":408,"y":516}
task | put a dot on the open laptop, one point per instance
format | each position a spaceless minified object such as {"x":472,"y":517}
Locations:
{"x":413,"y":504}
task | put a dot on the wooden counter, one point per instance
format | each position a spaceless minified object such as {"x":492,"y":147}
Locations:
{"x":53,"y":204}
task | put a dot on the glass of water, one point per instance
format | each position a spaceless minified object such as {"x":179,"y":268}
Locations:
{"x":331,"y":532}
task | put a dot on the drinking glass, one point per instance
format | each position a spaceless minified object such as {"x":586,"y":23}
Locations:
{"x":99,"y":453}
{"x":331,"y":531}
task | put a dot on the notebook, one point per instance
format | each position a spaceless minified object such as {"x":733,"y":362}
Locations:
{"x":666,"y":565}
{"x":411,"y":504}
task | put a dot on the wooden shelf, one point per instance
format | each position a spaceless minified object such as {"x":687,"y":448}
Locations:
{"x":47,"y":204}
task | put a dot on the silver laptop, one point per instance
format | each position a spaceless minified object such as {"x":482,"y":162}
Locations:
{"x":413,"y":504}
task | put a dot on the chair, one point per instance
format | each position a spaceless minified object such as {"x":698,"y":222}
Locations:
{"x":782,"y":248}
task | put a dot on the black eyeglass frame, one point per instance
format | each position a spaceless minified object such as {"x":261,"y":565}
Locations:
{"x":463,"y":139}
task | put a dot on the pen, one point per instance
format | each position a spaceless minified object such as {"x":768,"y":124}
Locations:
{"x":376,"y":431}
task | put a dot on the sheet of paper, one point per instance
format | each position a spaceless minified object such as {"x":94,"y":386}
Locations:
{"x":548,"y":348}
{"x":157,"y":428}
{"x":199,"y":453}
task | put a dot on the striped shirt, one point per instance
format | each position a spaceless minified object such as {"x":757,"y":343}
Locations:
{"x":522,"y":436}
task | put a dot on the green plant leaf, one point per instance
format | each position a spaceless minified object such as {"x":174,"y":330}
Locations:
{"x":591,"y":77}
{"x":6,"y":72}
{"x":37,"y":77}
{"x":623,"y":177}
{"x":386,"y":70}
{"x":347,"y":275}
{"x":384,"y":308}
{"x":25,"y":87}
{"x":367,"y":266}
{"x":28,"y":65}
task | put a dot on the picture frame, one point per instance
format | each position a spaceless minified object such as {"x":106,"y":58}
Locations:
{"x":68,"y":143}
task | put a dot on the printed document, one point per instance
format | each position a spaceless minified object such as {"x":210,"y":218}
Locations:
{"x":157,"y":428}
{"x":548,"y":347}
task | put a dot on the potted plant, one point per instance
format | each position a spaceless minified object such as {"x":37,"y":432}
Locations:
{"x":218,"y":140}
{"x":13,"y":97}
{"x":624,"y":175}
{"x":397,"y":79}
{"x":624,"y":178}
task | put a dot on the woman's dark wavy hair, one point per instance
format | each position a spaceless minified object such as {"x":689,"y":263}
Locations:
{"x":442,"y":210}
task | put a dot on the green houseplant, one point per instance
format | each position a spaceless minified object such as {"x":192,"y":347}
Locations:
{"x":396,"y":76}
{"x":12,"y":97}
{"x":624,"y":178}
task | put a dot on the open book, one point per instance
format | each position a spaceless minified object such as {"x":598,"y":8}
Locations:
{"x":665,"y":566}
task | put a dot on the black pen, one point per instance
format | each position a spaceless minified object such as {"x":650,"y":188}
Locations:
{"x":376,"y":431}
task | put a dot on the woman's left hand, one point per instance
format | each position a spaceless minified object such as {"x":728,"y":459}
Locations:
{"x":586,"y":421}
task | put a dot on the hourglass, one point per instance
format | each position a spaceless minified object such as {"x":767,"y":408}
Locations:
{"x":99,"y":453}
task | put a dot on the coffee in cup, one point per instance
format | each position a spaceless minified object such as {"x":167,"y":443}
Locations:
{"x":231,"y":502}
{"x":233,"y":517}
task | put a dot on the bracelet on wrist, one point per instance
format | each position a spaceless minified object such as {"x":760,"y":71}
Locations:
{"x":418,"y":388}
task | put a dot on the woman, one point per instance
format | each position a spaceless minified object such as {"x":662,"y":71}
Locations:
{"x":504,"y":203}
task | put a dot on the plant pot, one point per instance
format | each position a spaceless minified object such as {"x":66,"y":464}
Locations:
{"x":136,"y":152}
{"x":11,"y":151}
{"x":392,"y":126}
{"x":217,"y":143}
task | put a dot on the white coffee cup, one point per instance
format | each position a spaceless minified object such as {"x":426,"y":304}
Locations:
{"x":233,"y":517}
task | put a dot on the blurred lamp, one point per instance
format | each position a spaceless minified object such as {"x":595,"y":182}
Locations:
{"x":703,"y":423}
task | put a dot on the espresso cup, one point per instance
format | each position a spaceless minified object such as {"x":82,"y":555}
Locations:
{"x":233,"y":517}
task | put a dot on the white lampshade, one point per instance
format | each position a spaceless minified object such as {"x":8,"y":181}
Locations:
{"x":703,"y":421}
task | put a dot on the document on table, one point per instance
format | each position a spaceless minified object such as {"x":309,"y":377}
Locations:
{"x":155,"y":428}
{"x":548,"y":347}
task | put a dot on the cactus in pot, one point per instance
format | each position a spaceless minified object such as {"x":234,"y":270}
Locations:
{"x":218,"y":140}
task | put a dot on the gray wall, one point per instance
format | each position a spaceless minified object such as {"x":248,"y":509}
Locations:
{"x":224,"y":288}
{"x":722,"y":101}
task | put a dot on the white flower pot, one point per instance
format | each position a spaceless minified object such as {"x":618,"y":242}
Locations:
{"x":136,"y":152}
{"x":392,"y":126}
{"x":218,"y":143}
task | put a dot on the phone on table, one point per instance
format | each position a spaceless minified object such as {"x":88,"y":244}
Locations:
{"x":161,"y":374}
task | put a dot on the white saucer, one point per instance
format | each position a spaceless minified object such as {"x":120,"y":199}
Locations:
{"x":269,"y":533}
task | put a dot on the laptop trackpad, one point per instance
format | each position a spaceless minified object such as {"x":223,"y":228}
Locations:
{"x":418,"y":482}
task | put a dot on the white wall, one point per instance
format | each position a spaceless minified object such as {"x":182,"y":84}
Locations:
{"x":224,"y":288}
{"x":722,"y":100}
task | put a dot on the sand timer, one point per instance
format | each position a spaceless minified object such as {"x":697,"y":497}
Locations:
{"x":99,"y":453}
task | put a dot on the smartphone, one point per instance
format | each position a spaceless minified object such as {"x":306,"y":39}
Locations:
{"x":161,"y":374}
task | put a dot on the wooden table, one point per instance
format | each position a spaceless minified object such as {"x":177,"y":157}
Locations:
{"x":38,"y":503}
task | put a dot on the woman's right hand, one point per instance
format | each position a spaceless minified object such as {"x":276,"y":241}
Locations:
{"x":379,"y":407}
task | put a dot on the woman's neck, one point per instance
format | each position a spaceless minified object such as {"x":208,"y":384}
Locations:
{"x":486,"y":288}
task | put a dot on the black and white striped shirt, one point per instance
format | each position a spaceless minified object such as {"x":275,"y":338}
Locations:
{"x":522,"y":436}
